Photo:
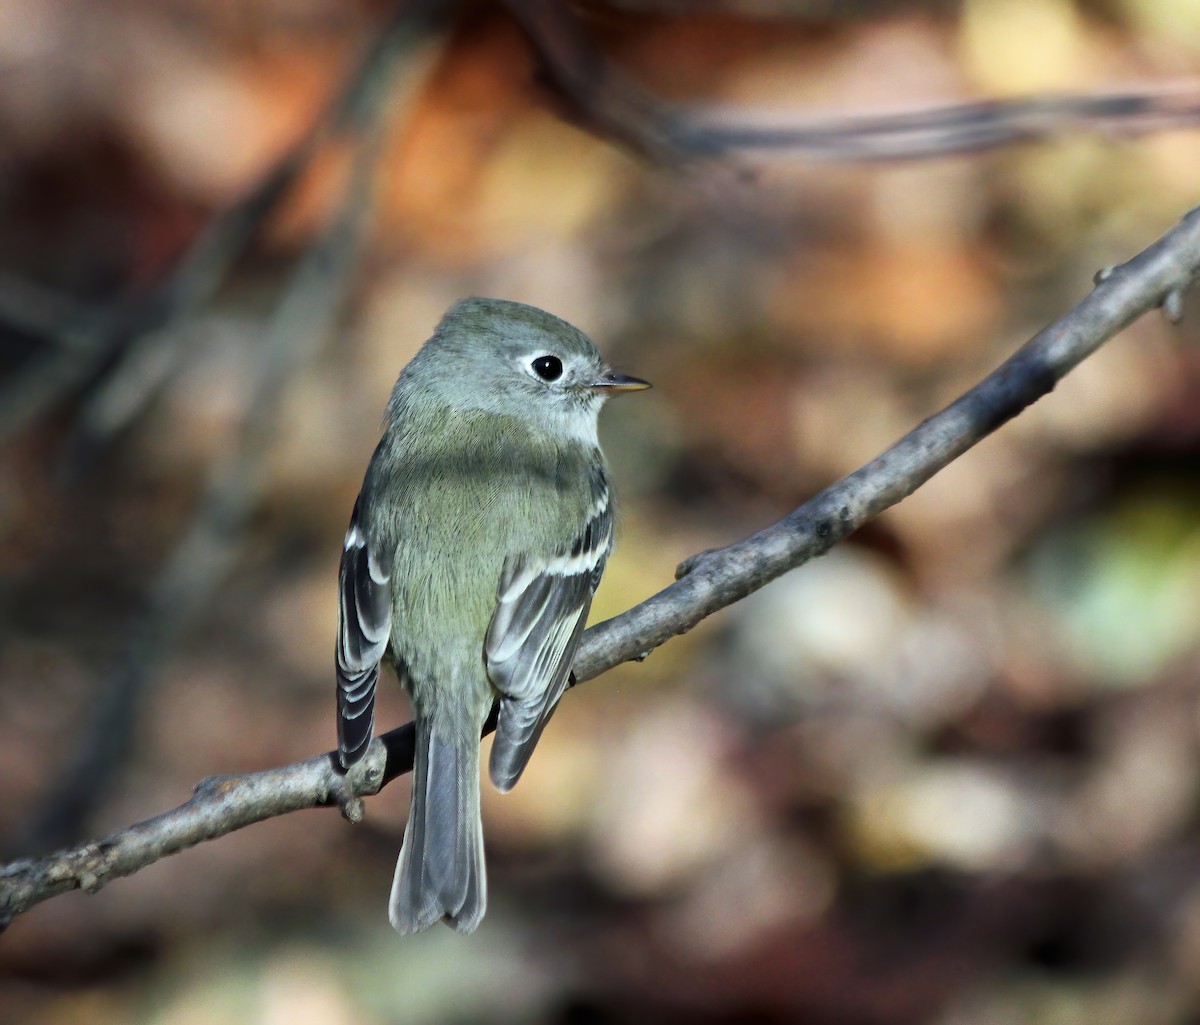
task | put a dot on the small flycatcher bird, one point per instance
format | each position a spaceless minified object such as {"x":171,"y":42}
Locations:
{"x":477,"y":540}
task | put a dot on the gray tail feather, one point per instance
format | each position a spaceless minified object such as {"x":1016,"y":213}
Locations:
{"x":440,"y":875}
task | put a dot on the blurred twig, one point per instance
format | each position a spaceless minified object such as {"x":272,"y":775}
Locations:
{"x":783,"y":10}
{"x":305,"y":317}
{"x":143,"y":329}
{"x":148,"y":360}
{"x":610,"y":104}
{"x":602,"y":99}
{"x":959,"y":128}
{"x":708,"y":582}
{"x":41,"y":312}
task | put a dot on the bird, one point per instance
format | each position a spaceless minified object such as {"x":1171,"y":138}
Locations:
{"x":477,"y":540}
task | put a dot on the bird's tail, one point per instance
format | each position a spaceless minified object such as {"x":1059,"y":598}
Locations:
{"x":440,"y":874}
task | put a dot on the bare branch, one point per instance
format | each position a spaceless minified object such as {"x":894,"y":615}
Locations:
{"x":41,"y":312}
{"x":304,"y":318}
{"x":601,"y":98}
{"x":153,"y":354}
{"x":958,"y":128}
{"x":218,"y":806}
{"x":713,"y":580}
{"x":783,"y":10}
{"x":137,"y":325}
{"x":708,"y":582}
{"x":607,"y":102}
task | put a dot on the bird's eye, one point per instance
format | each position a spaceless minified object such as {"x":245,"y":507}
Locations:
{"x":548,"y":368}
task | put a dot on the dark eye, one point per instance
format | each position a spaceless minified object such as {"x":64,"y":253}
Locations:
{"x":548,"y":368}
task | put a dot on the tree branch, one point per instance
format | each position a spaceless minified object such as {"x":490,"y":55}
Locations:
{"x":305,"y":317}
{"x":608,"y":103}
{"x":140,"y":333}
{"x":707,"y":582}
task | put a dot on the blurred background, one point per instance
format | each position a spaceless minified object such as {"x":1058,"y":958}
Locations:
{"x":947,"y":773}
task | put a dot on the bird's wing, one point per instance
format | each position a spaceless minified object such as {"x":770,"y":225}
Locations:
{"x":541,"y":607}
{"x":364,"y":625}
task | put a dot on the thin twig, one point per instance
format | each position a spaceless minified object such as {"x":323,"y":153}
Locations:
{"x":41,"y":312}
{"x":611,"y":104}
{"x":598,"y":96}
{"x":304,"y":318}
{"x":708,"y":582}
{"x":150,"y":358}
{"x":954,"y":129}
{"x":800,"y":11}
{"x":144,"y":329}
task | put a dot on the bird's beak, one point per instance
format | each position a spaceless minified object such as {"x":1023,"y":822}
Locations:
{"x":610,"y":381}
